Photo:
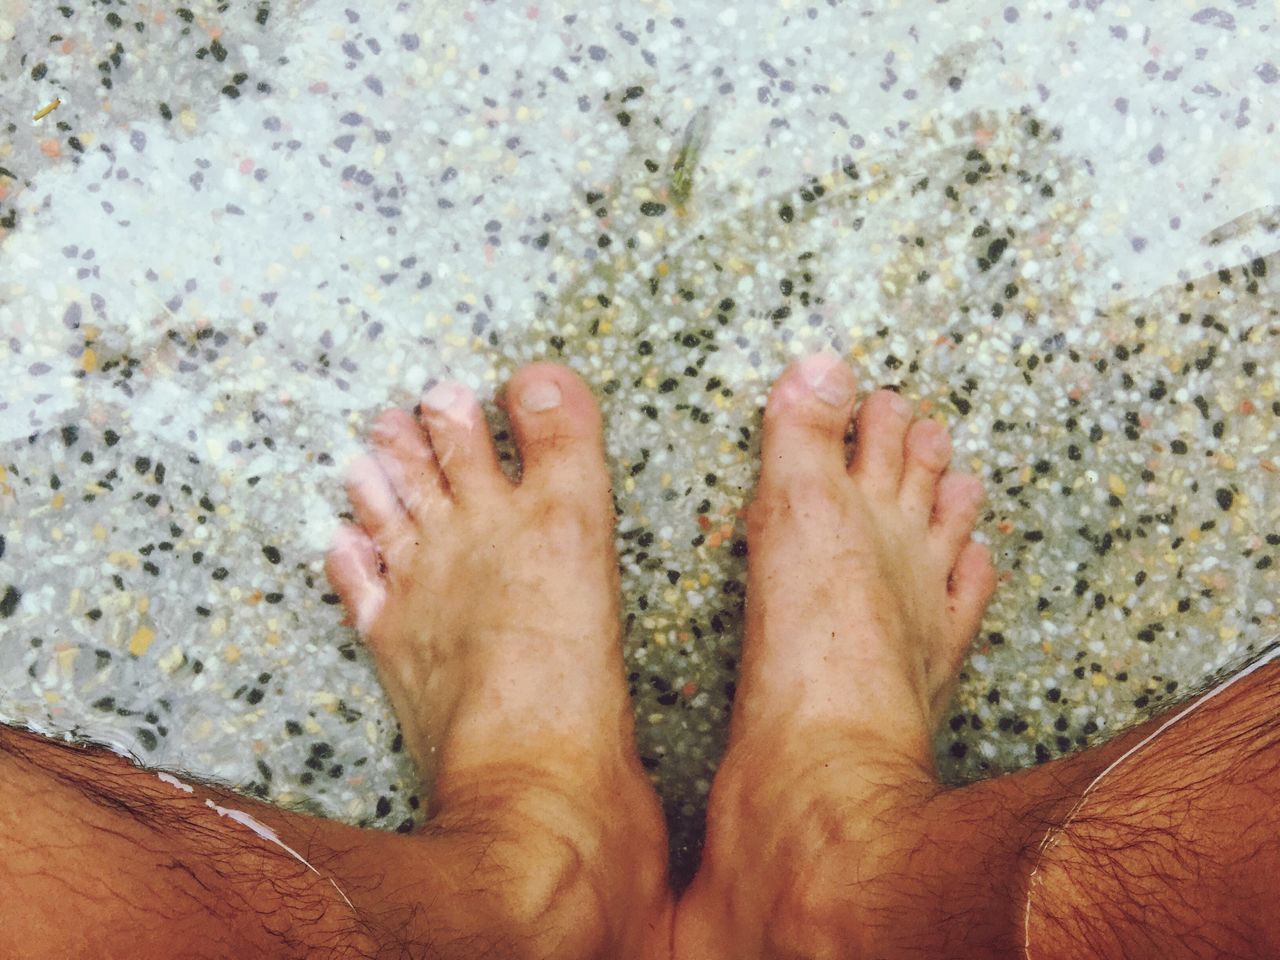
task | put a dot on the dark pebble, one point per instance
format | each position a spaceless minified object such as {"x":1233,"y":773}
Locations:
{"x":271,"y":553}
{"x":9,"y":603}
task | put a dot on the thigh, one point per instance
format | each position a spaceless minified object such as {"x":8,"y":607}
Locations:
{"x":1172,"y":848}
{"x":101,"y":859}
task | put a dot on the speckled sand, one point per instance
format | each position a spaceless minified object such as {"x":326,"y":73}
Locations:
{"x":245,"y":231}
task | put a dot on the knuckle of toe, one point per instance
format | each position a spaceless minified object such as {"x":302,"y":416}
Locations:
{"x":570,"y":522}
{"x":809,"y":492}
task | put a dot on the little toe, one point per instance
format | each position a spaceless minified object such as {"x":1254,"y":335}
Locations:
{"x":971,"y":586}
{"x":557,"y":427}
{"x":405,"y":455}
{"x":375,"y":502}
{"x":883,"y":420}
{"x":928,"y":450}
{"x":464,"y":450}
{"x":805,"y":419}
{"x":352,"y":568}
{"x":955,"y":510}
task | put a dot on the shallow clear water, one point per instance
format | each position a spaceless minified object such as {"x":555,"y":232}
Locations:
{"x":241,"y":234}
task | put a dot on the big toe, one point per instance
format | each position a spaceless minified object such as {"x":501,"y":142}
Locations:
{"x":805,"y":419}
{"x":557,"y":426}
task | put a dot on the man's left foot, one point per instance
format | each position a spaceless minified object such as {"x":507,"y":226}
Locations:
{"x":492,"y":612}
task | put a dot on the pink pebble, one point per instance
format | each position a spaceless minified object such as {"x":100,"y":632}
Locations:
{"x":246,"y":165}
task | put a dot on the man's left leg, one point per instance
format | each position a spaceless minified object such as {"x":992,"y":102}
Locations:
{"x":491,"y":610}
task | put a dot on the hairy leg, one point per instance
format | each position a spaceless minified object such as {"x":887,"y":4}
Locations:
{"x":491,"y":611}
{"x":1174,"y":851}
{"x":862,"y":595}
{"x":1171,"y":853}
{"x":99,"y":858}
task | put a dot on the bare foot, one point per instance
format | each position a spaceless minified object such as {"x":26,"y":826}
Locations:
{"x":492,"y":611}
{"x":864,"y":591}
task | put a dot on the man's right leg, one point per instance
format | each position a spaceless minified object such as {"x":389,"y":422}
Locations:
{"x":828,"y":832}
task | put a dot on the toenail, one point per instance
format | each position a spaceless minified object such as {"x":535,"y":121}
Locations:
{"x":441,"y":397}
{"x":940,"y":443}
{"x":899,"y":404}
{"x":830,"y":384}
{"x":539,"y":396}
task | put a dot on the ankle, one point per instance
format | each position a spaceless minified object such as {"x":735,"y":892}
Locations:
{"x":580,"y":862}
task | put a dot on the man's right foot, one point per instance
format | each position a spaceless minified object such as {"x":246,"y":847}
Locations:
{"x":864,"y":591}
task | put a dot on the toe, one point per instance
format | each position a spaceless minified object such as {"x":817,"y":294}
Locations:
{"x":805,"y":419}
{"x":971,"y":587}
{"x":955,"y":510}
{"x":406,"y":458}
{"x":882,"y":426}
{"x":352,"y":567}
{"x":972,"y":584}
{"x":557,"y":428}
{"x":376,"y":505}
{"x":928,"y":450}
{"x":460,"y":438}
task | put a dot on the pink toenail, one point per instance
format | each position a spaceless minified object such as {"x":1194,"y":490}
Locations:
{"x":441,"y":397}
{"x":539,"y":396}
{"x":941,"y":444}
{"x":828,"y":383}
{"x":899,"y":404}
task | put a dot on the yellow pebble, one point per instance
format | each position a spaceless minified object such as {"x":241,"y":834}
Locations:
{"x":1099,"y":680}
{"x":231,"y":654}
{"x":1116,"y":485}
{"x":99,"y":532}
{"x":140,"y":640}
{"x":58,"y":501}
{"x":89,"y":360}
